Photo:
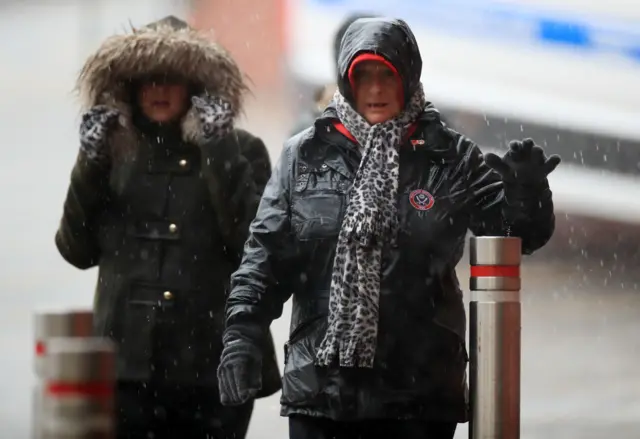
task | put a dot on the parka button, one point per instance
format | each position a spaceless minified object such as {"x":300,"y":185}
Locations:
{"x":173,"y":228}
{"x":168,"y":295}
{"x":182,"y":163}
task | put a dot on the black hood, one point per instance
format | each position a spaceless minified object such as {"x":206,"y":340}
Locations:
{"x":387,"y":37}
{"x":342,"y":30}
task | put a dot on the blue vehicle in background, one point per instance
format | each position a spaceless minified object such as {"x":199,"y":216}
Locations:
{"x":498,"y":71}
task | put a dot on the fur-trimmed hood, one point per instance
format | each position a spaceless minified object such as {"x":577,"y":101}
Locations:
{"x":166,"y":47}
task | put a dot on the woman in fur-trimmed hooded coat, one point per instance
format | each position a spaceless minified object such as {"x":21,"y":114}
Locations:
{"x":160,"y":199}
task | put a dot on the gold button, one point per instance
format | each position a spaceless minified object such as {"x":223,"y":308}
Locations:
{"x":167,"y":295}
{"x":173,"y":228}
{"x":183,"y":163}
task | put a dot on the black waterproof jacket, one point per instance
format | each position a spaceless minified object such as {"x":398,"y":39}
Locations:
{"x":166,"y":221}
{"x":155,"y":231}
{"x":420,"y":365}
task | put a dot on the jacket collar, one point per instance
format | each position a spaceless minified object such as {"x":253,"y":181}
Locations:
{"x":430,"y":134}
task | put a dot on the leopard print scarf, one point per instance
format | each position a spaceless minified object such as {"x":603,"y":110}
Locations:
{"x":370,"y":222}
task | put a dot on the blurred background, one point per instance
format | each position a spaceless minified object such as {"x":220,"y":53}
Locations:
{"x":565,"y":72}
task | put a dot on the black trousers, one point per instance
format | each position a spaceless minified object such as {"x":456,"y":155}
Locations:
{"x":305,"y":427}
{"x":145,"y":410}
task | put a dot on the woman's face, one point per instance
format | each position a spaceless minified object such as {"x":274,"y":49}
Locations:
{"x":163,"y":101}
{"x":377,"y":91}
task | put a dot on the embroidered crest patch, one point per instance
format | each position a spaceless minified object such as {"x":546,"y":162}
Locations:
{"x":421,"y":199}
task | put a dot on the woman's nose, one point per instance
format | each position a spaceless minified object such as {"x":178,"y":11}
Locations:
{"x":376,"y":85}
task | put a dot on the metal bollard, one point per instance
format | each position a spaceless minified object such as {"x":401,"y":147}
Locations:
{"x":78,"y":389}
{"x":59,"y":324}
{"x":50,"y":324}
{"x":495,"y":317}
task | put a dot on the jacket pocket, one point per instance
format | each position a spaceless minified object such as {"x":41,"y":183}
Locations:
{"x":318,"y":202}
{"x":449,"y":370}
{"x":302,"y":381}
{"x":317,"y":215}
{"x":139,"y":314}
{"x":452,"y":343}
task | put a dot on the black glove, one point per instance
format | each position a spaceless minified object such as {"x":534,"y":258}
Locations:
{"x":215,"y":115}
{"x":94,"y":128}
{"x":524,"y":170}
{"x":240,"y":370}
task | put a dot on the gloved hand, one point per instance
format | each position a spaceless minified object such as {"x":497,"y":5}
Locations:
{"x":524,"y":164}
{"x":524,"y":170}
{"x":215,"y":115}
{"x":240,"y":370}
{"x":94,"y":128}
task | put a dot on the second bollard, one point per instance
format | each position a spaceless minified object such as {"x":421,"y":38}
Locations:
{"x":48,"y":325}
{"x":494,"y":337}
{"x":78,"y":383}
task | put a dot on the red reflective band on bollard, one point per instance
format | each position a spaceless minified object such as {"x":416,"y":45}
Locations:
{"x":41,"y":348}
{"x":495,"y":271}
{"x":80,"y":389}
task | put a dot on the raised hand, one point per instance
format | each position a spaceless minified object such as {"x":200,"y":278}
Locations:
{"x":525,"y":163}
{"x":215,"y":114}
{"x":94,"y":129}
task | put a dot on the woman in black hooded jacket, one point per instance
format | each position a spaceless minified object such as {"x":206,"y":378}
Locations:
{"x":363,"y":222}
{"x":160,"y":199}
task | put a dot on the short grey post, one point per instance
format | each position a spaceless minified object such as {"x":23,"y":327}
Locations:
{"x":54,"y":324}
{"x":47,"y":325}
{"x":494,"y":339}
{"x":78,"y":389}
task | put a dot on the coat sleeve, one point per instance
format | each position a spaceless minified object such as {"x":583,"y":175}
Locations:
{"x":255,"y":151}
{"x":534,"y":226}
{"x":233,"y":187}
{"x":259,"y":286}
{"x":87,"y":195}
